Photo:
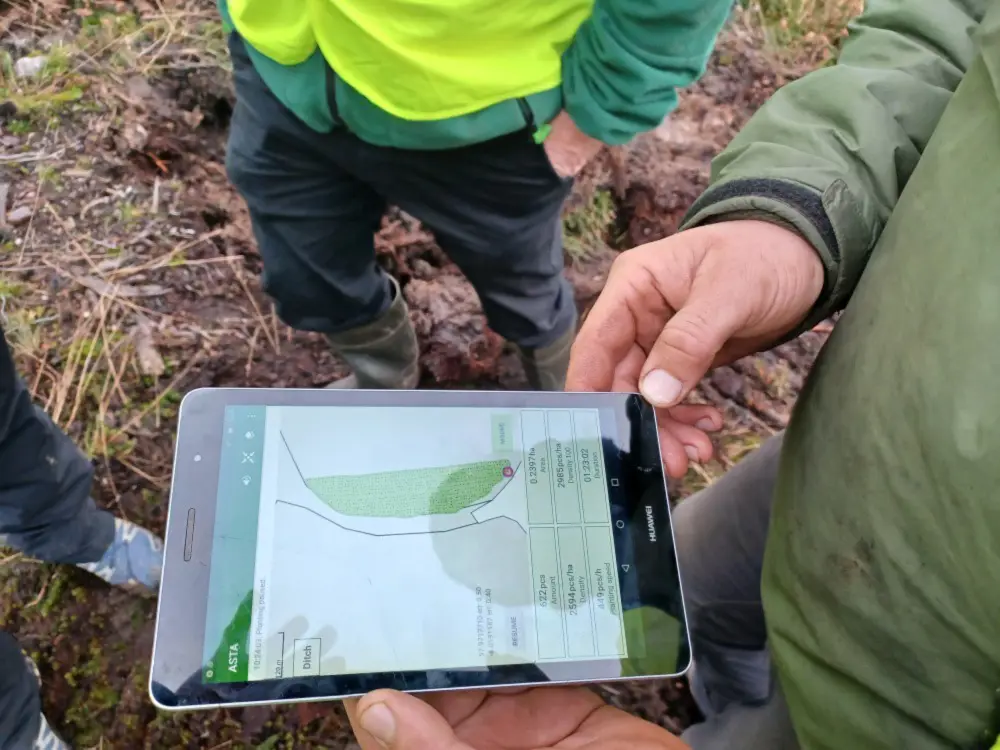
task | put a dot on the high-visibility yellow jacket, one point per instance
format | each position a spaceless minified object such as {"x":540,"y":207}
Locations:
{"x":440,"y":73}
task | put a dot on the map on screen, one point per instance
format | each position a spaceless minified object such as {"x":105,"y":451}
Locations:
{"x":419,"y":538}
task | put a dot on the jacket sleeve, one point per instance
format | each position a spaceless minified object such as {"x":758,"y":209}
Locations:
{"x":626,"y":62}
{"x":829,"y":154}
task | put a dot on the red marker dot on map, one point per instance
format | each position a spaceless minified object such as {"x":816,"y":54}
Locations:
{"x":508,"y":471}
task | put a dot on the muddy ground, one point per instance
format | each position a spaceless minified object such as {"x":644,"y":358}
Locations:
{"x":128,"y":276}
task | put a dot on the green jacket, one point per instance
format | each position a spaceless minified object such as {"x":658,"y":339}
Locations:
{"x":620,"y":77}
{"x":881,"y":581}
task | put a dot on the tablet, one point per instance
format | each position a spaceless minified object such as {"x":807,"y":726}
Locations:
{"x":324,"y":543}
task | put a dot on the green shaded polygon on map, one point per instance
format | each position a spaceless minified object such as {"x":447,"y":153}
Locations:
{"x":406,"y":493}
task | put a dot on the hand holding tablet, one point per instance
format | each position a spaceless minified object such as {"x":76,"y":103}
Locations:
{"x":322,"y":544}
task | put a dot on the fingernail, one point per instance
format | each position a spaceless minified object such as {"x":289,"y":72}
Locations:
{"x":706,"y":424}
{"x":661,"y":388}
{"x":379,"y":722}
{"x":692,"y":453}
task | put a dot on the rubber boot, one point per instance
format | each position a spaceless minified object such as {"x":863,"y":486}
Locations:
{"x":546,"y":367}
{"x":383,"y":353}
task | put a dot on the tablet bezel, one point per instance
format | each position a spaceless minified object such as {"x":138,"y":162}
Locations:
{"x":181,"y":615}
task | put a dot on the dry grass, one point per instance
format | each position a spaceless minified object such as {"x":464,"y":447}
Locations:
{"x":113,"y":41}
{"x":585,"y":226}
{"x":813,"y":26}
{"x":91,"y":288}
{"x":733,"y":446}
{"x":88,"y":351}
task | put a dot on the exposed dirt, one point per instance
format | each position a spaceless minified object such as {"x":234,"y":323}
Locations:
{"x":135,"y":279}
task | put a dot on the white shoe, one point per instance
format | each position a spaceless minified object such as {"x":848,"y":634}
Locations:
{"x":134,"y":560}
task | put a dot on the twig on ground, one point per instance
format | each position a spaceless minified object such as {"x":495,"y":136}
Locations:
{"x":71,"y":237}
{"x":166,"y":260}
{"x":94,"y":55}
{"x":155,"y":201}
{"x":60,"y":391}
{"x":274,"y":324}
{"x":115,"y":494}
{"x":30,"y":157}
{"x":251,"y":350}
{"x":89,"y":365}
{"x":93,"y":204}
{"x":163,"y":43}
{"x":121,"y":301}
{"x":42,"y":366}
{"x":4,"y":190}
{"x":41,"y":595}
{"x":137,"y":418}
{"x":702,"y":473}
{"x":271,"y":337}
{"x":112,"y":382}
{"x":160,"y":484}
{"x":29,"y":234}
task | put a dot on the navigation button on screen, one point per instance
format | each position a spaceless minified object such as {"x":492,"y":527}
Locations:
{"x":307,"y":655}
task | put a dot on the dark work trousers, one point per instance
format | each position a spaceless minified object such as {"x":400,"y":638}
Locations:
{"x":47,"y":513}
{"x":20,"y":703}
{"x":316,"y":201}
{"x":721,"y":533}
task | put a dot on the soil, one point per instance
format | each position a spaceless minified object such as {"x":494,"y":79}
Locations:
{"x":136,"y":240}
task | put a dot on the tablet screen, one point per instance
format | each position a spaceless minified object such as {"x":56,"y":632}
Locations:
{"x":356,"y":540}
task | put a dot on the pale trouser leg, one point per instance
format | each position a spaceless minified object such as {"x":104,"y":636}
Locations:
{"x":721,"y":533}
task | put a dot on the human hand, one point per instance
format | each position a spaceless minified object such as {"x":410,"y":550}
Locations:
{"x":549,"y":717}
{"x":569,"y":148}
{"x":674,"y":308}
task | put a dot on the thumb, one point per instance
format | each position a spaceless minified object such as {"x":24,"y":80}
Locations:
{"x":686,"y":347}
{"x":404,"y":722}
